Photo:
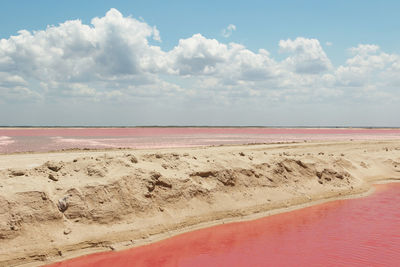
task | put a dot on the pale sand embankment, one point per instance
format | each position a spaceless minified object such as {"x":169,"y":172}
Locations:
{"x":55,"y":206}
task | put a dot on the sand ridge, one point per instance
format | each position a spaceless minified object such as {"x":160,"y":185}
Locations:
{"x":57,"y":205}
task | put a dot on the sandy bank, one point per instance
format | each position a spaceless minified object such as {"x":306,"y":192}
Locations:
{"x":58,"y":205}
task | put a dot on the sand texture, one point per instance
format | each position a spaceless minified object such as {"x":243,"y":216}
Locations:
{"x":58,"y":205}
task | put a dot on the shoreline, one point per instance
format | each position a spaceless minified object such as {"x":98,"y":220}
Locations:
{"x":170,"y":148}
{"x":190,"y":189}
{"x":197,"y":126}
{"x":122,"y":246}
{"x":208,"y":224}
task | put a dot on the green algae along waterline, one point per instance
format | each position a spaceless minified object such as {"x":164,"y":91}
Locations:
{"x":353,"y":232}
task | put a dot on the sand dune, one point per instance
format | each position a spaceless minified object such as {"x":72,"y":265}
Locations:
{"x":58,"y":205}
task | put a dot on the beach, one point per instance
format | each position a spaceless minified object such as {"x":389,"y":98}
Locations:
{"x":59,"y":205}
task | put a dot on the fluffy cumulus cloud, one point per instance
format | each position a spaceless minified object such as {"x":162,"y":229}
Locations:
{"x":73,"y":56}
{"x":306,"y":55}
{"x":112,"y":46}
{"x":113,"y":58}
{"x":370,"y":69}
{"x":198,"y":56}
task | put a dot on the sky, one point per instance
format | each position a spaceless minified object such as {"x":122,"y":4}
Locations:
{"x":134,"y":63}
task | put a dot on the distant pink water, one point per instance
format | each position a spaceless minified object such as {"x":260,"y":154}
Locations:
{"x":355,"y":232}
{"x":49,"y":139}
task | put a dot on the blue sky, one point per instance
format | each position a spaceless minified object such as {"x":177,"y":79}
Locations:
{"x":260,"y":24}
{"x":320,"y":63}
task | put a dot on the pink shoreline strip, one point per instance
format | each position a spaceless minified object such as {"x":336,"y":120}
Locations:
{"x":184,"y":131}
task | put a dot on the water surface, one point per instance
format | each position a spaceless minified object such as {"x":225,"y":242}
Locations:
{"x":354,"y":232}
{"x":50,"y":139}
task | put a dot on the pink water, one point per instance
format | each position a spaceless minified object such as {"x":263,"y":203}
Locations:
{"x":48,"y":139}
{"x":356,"y":232}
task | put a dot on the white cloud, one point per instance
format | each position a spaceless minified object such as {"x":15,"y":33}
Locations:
{"x":307,"y":55}
{"x":110,"y":50}
{"x":227,"y":32}
{"x":197,"y":55}
{"x":10,"y":80}
{"x":245,"y":65}
{"x":328,"y":43}
{"x":232,"y":63}
{"x":113,"y":45}
{"x":369,"y":68}
{"x":112,"y":59}
{"x":364,"y":49}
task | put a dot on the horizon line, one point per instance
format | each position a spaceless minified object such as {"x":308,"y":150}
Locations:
{"x":194,"y":126}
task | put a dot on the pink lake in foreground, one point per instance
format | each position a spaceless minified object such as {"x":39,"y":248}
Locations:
{"x":354,"y":232}
{"x":51,"y":139}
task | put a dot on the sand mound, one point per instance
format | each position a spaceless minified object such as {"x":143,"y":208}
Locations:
{"x":95,"y":199}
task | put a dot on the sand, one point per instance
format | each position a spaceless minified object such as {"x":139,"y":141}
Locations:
{"x":59,"y":205}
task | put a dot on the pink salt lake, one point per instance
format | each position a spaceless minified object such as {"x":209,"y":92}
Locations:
{"x":353,"y":232}
{"x":49,"y":139}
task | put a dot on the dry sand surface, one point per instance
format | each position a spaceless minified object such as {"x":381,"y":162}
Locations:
{"x":55,"y":206}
